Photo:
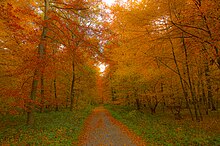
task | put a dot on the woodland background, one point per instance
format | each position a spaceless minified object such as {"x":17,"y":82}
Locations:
{"x":160,"y":56}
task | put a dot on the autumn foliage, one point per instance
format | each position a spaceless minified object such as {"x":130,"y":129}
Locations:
{"x":48,"y":54}
{"x":165,"y":54}
{"x":159,"y":54}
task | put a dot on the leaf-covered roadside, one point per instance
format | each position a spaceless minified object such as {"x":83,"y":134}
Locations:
{"x":52,"y":128}
{"x":162,"y":130}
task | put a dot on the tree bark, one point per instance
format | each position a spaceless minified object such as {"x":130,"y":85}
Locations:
{"x":55,"y":93}
{"x":138,"y":104}
{"x":30,"y":116}
{"x":55,"y":83}
{"x":189,"y":80}
{"x":181,"y":81}
{"x":42,"y":92}
{"x":211,"y":104}
{"x":72,"y":94}
{"x":204,"y":98}
{"x":41,"y":53}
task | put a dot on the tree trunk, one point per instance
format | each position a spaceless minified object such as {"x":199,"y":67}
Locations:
{"x":181,"y":81}
{"x":197,"y":98}
{"x":155,"y":106}
{"x":55,"y":83}
{"x":67,"y":99}
{"x":138,"y":104}
{"x":211,"y":104}
{"x":113,"y":94}
{"x":204,"y":99}
{"x":216,"y":49}
{"x":55,"y":93}
{"x":72,"y":87}
{"x":30,"y":116}
{"x":41,"y":53}
{"x":42,"y":92}
{"x":153,"y":110}
{"x":189,"y":80}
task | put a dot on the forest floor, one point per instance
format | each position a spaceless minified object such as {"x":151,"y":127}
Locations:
{"x":50,"y":128}
{"x":162,"y":129}
{"x":95,"y":126}
{"x":102,"y":129}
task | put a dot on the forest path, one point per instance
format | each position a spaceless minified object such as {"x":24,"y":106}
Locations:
{"x":101,"y":129}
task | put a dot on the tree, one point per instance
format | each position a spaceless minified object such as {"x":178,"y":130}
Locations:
{"x":60,"y":42}
{"x":164,"y":36}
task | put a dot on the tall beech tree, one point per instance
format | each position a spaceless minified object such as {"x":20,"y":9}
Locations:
{"x":38,"y":73}
{"x":60,"y":42}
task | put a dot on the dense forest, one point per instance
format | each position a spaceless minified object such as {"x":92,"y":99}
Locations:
{"x":156,"y":56}
{"x":49,"y":52}
{"x":166,"y":53}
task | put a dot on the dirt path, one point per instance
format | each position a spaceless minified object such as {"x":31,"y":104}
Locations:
{"x":101,"y":129}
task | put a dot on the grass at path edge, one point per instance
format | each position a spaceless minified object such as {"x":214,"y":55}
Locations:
{"x":157,"y":130}
{"x":51,"y":128}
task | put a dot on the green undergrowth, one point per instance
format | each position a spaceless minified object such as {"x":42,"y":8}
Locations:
{"x":51,"y":128}
{"x":161,"y":130}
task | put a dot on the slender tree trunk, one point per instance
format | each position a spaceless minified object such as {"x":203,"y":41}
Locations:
{"x":152,"y":105}
{"x":30,"y":116}
{"x":216,"y":49}
{"x":55,"y":83}
{"x":67,"y":99}
{"x":41,"y":53}
{"x":163,"y":99}
{"x":211,"y":104}
{"x":181,"y":81}
{"x":42,"y":92}
{"x":55,"y":93}
{"x":190,"y":81}
{"x":113,"y":94}
{"x":204,"y":99}
{"x":198,"y":4}
{"x":155,"y":105}
{"x":72,"y":86}
{"x":138,"y":104}
{"x":197,"y":98}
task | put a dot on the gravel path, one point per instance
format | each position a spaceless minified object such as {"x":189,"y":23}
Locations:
{"x":101,"y":129}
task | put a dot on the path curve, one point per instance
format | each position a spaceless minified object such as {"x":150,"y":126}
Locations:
{"x":101,"y":129}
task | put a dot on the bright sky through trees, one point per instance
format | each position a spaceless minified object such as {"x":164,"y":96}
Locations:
{"x":102,"y":67}
{"x":109,"y":2}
